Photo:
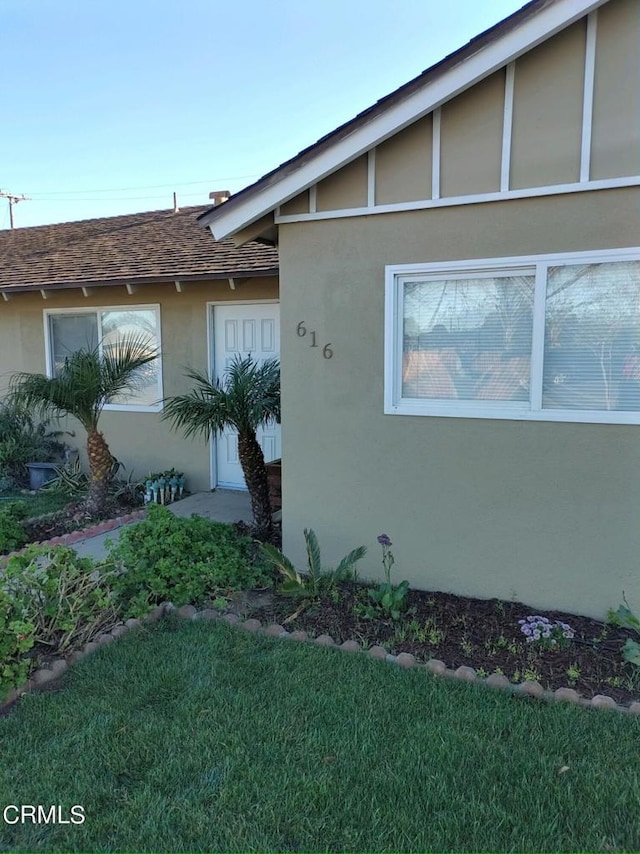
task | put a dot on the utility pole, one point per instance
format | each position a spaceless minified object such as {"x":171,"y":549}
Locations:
{"x":13,"y":200}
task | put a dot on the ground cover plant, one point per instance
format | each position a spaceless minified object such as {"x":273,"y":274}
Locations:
{"x":194,"y":736}
{"x":182,"y":560}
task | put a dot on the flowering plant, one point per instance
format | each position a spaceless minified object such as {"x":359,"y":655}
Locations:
{"x":387,"y":556}
{"x":385,"y":597}
{"x":542,"y":631}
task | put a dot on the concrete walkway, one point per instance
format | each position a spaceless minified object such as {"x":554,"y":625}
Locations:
{"x":223,"y":505}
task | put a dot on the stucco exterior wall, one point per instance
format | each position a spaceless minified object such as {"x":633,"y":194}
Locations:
{"x":139,"y":439}
{"x":544,"y":513}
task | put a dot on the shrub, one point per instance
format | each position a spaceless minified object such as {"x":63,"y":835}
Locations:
{"x":50,"y":597}
{"x":183,"y":560}
{"x":12,"y":534}
{"x":68,"y":599}
{"x":16,"y":639}
{"x":23,"y":441}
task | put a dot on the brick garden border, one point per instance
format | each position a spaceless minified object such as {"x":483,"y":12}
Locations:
{"x":47,"y":676}
{"x":83,"y":534}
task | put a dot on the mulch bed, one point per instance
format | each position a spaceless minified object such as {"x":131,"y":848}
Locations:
{"x":483,"y":634}
{"x":72,"y":518}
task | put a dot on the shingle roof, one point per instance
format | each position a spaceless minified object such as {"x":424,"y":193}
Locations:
{"x":153,"y":246}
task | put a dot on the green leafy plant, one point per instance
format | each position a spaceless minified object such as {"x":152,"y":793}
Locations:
{"x":166,"y":557}
{"x":317,"y":580}
{"x":22,"y":441}
{"x":573,"y":673}
{"x":625,"y":617}
{"x":16,"y":639}
{"x":88,"y":380}
{"x":386,"y":597}
{"x":67,"y":599}
{"x":12,"y":533}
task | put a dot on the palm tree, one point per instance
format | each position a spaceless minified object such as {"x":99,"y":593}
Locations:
{"x":89,"y":378}
{"x":247,"y":398}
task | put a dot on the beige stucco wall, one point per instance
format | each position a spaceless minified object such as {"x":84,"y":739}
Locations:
{"x":298,"y":204}
{"x":344,"y":189}
{"x":615,"y":146}
{"x":403,"y":165}
{"x":544,"y":513}
{"x":471,"y":139}
{"x":139,"y":439}
{"x":547,"y":111}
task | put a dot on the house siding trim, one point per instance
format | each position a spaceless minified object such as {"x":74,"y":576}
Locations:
{"x":456,"y":201}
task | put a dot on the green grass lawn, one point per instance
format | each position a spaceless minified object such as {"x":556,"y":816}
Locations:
{"x":40,"y":502}
{"x":194,"y":736}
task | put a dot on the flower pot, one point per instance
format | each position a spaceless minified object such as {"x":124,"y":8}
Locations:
{"x":41,"y":473}
{"x":274,"y":478}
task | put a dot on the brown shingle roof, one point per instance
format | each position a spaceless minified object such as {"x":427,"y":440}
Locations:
{"x":153,"y":246}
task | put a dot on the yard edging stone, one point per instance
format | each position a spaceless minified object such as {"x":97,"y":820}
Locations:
{"x":47,"y":676}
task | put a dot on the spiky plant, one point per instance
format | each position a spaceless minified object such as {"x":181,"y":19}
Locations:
{"x":246,"y":398}
{"x":90,"y":378}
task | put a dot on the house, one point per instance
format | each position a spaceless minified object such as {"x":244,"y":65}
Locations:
{"x":460,"y":292}
{"x":68,"y":285}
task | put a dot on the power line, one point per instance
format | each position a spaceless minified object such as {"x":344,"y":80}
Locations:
{"x":115,"y":198}
{"x":149,"y":186}
{"x":13,"y":200}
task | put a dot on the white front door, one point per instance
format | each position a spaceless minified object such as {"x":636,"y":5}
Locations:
{"x":239,"y":330}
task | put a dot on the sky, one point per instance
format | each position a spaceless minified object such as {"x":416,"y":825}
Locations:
{"x":109,"y":106}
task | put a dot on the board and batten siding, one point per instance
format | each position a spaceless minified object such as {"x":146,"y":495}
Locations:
{"x":560,"y":117}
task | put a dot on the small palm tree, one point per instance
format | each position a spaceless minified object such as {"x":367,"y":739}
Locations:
{"x":246,"y":399}
{"x":89,"y":378}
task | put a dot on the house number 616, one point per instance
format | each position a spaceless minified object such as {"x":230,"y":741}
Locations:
{"x":301,"y":329}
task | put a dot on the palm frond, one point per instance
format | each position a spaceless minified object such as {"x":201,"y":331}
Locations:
{"x":313,"y":554}
{"x":347,"y":563}
{"x":120,"y":363}
{"x":247,"y":396}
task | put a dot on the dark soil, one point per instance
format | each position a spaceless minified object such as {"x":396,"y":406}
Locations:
{"x":74,"y":517}
{"x":483,"y":634}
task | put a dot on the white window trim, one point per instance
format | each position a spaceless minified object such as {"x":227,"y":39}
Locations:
{"x":531,"y":410}
{"x":112,"y":407}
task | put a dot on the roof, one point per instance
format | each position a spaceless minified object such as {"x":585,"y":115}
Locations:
{"x":493,"y":49}
{"x":155,"y":246}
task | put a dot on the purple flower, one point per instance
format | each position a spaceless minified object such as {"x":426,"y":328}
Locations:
{"x":384,"y":540}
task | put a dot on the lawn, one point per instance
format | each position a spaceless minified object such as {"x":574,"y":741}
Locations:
{"x":38,"y":503}
{"x":194,"y":736}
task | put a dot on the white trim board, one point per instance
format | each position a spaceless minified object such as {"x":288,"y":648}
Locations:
{"x":495,"y":55}
{"x":455,"y":201}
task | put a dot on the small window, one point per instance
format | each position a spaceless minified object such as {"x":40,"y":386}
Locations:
{"x":69,"y":331}
{"x":542,"y":338}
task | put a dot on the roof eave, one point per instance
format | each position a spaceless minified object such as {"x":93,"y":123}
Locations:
{"x":326,"y":157}
{"x":30,"y":287}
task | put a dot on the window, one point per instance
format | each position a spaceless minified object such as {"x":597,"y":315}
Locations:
{"x":554,"y":338}
{"x":67,"y":331}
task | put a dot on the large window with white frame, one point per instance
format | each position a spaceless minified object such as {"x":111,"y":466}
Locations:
{"x":545,"y":337}
{"x":69,"y":330}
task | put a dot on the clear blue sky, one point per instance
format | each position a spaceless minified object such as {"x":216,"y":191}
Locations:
{"x":108,"y":106}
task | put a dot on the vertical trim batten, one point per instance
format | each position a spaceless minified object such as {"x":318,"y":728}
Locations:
{"x":507,"y":126}
{"x":435,"y":156}
{"x":587,"y":103}
{"x":371,"y":178}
